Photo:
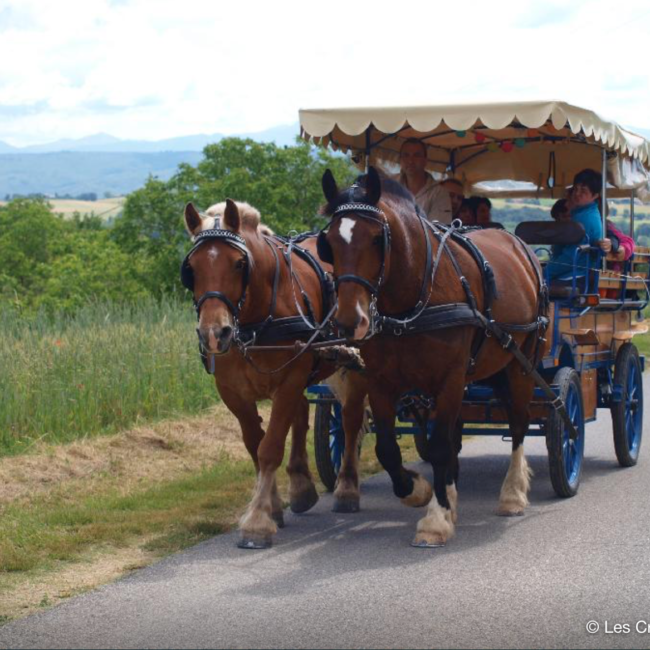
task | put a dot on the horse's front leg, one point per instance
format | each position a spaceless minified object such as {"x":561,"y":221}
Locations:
{"x":245,"y":410}
{"x":352,"y":393}
{"x":438,"y":525}
{"x":257,"y":525}
{"x":513,"y":498}
{"x":302,"y":491}
{"x":413,"y":489}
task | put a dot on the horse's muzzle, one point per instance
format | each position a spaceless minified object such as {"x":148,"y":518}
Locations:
{"x":356,"y":331}
{"x":216,"y":340}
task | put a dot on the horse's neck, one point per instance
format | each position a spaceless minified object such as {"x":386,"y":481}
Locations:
{"x":401,"y":291}
{"x":260,"y":283}
{"x":403,"y":288}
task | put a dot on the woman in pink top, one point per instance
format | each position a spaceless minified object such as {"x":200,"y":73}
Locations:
{"x":618,"y":244}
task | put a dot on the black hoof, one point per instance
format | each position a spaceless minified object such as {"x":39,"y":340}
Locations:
{"x":346,"y":505}
{"x":278,"y":518}
{"x":305,"y":501}
{"x":254,"y":543}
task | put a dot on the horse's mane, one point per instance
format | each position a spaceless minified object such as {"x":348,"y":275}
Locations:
{"x":247,"y":213}
{"x":390,"y":189}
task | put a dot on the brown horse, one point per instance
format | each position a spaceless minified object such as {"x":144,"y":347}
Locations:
{"x":240,"y":275}
{"x":388,"y":261}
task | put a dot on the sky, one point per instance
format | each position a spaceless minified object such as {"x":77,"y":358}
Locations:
{"x":154,"y":69}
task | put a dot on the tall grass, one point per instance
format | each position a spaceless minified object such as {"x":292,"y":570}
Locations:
{"x":99,"y":371}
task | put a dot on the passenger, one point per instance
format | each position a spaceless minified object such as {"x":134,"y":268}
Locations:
{"x":429,"y":195}
{"x":466,"y":213}
{"x":454,"y":189}
{"x":482,"y":207}
{"x":617,"y":244}
{"x":586,"y":190}
{"x":561,"y":211}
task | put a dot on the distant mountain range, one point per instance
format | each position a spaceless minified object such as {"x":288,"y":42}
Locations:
{"x":103,"y":142}
{"x":103,"y":163}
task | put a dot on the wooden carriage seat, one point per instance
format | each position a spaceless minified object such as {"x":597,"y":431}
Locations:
{"x":547,"y":233}
{"x":610,"y":284}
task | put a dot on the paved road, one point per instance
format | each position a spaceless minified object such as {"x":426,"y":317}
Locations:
{"x":342,"y":581}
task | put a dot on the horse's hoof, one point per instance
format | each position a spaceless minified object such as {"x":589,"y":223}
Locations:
{"x":426,"y":544}
{"x":510,"y":512}
{"x":346,"y":505}
{"x":254,"y":543}
{"x":278,"y":518}
{"x":304,"y":501}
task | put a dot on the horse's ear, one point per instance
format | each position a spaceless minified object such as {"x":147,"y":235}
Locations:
{"x":231,"y":216}
{"x":373,"y":186}
{"x":193,"y":219}
{"x":330,"y":190}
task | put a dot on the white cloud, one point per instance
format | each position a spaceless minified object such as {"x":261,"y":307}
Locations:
{"x":158,"y":69}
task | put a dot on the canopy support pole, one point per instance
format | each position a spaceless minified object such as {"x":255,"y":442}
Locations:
{"x":603,"y":198}
{"x":632,"y":196}
{"x":368,"y":148}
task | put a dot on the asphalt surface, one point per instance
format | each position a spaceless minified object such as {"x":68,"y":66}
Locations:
{"x":353,"y":581}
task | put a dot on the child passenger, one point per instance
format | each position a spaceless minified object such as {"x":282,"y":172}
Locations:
{"x":587,"y":186}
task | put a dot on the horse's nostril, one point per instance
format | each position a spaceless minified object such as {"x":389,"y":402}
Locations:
{"x":345,"y":331}
{"x":226,"y":333}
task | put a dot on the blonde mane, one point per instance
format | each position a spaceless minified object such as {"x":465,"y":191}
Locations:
{"x":247,"y":213}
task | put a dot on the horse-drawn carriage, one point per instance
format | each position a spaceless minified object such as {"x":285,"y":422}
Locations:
{"x":454,"y":325}
{"x":523,"y":150}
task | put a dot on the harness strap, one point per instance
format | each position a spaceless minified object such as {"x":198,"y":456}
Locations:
{"x":219,"y":296}
{"x":508,"y":343}
{"x":276,"y":279}
{"x":280,"y":329}
{"x":357,"y":279}
{"x":310,"y":319}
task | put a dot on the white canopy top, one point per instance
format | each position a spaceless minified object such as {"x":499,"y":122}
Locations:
{"x":543,"y":142}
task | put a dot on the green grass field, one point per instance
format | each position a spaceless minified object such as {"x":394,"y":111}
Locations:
{"x":99,"y":371}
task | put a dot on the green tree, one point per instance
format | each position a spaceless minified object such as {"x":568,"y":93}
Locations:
{"x":283,"y":183}
{"x":92,"y":269}
{"x":30,"y":238}
{"x":48,"y":262}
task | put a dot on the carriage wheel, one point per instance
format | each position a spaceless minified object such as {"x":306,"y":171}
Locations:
{"x":565,"y":455}
{"x":329,"y":442}
{"x":627,"y":413}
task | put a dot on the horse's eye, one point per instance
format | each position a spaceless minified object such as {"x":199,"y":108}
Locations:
{"x":241,"y":263}
{"x":378,"y":240}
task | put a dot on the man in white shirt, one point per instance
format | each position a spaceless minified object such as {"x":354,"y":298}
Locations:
{"x":431,"y":196}
{"x":454,"y":189}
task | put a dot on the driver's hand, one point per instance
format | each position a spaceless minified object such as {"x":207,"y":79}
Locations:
{"x":605,"y":245}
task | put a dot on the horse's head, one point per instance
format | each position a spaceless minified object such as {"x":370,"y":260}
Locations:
{"x":357,"y":244}
{"x":217,"y":269}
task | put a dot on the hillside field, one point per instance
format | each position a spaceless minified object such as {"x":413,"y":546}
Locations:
{"x":107,"y":208}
